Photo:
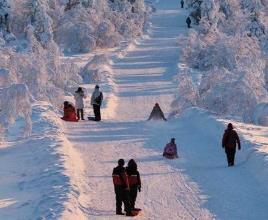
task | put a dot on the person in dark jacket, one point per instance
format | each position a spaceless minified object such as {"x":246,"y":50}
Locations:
{"x":157,"y":113}
{"x":96,"y":101}
{"x":121,"y":188}
{"x":134,"y":182}
{"x":182,"y":3}
{"x":188,"y":22}
{"x":229,"y":141}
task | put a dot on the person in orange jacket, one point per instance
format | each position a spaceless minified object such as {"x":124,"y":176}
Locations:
{"x":69,"y":113}
{"x":121,"y":188}
{"x":134,"y":181}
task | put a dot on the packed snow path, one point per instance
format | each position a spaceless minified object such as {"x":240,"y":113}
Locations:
{"x":141,"y":78}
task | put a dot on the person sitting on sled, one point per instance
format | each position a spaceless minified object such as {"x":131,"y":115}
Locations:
{"x":157,"y":113}
{"x":69,"y":113}
{"x":170,"y":151}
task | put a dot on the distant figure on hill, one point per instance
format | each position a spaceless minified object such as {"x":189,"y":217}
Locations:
{"x":134,"y":181}
{"x":182,"y":4}
{"x":69,"y":112}
{"x":170,"y":151}
{"x":157,"y":113}
{"x":229,"y":140}
{"x":79,"y":102}
{"x":121,"y":188}
{"x":96,"y":101}
{"x":188,"y":22}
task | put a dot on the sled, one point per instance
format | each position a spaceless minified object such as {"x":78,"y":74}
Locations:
{"x":136,"y":212}
{"x":170,"y":157}
{"x":91,"y":118}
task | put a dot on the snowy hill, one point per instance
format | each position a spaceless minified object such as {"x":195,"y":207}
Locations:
{"x":139,"y":54}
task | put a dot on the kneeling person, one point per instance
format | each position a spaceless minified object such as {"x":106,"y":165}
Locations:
{"x":170,"y":151}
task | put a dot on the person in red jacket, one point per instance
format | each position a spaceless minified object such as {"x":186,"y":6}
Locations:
{"x":69,"y":113}
{"x":229,"y":140}
{"x":121,"y":188}
{"x":134,"y":181}
{"x":170,"y":151}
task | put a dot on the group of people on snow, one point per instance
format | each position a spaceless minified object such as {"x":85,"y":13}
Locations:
{"x":127,"y":183}
{"x":75,"y":113}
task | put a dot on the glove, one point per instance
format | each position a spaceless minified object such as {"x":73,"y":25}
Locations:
{"x":139,"y":188}
{"x":239,"y":147}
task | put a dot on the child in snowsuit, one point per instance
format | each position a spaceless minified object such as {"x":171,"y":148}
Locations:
{"x":229,"y":140}
{"x":79,"y":102}
{"x":96,"y":100}
{"x":69,"y":112}
{"x":121,"y":188}
{"x":188,"y":22}
{"x":134,"y":182}
{"x":157,"y":113}
{"x":170,"y":151}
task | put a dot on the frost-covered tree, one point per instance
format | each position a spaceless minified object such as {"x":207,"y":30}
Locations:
{"x":15,"y":101}
{"x":229,"y":50}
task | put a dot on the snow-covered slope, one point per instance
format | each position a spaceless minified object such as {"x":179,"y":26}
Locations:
{"x":39,"y":179}
{"x":198,"y":185}
{"x":63,"y":170}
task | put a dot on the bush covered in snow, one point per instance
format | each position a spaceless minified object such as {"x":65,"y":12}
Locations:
{"x":95,"y":70}
{"x":229,"y":49}
{"x":102,"y":23}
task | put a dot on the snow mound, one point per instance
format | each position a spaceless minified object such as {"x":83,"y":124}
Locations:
{"x":95,"y":70}
{"x":15,"y":102}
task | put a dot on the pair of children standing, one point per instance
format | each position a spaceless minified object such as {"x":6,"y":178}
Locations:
{"x":127,"y":183}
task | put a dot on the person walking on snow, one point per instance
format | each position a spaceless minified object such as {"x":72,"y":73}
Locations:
{"x":79,"y":102}
{"x":229,"y":140}
{"x":134,"y":181}
{"x":170,"y":151}
{"x":188,"y":22}
{"x":96,"y":100}
{"x":121,"y":188}
{"x":182,"y":3}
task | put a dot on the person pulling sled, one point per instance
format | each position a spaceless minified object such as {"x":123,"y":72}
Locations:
{"x":96,"y":101}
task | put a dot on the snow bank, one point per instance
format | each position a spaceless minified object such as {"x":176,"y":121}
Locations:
{"x":15,"y":101}
{"x":96,"y":70}
{"x":38,"y":174}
